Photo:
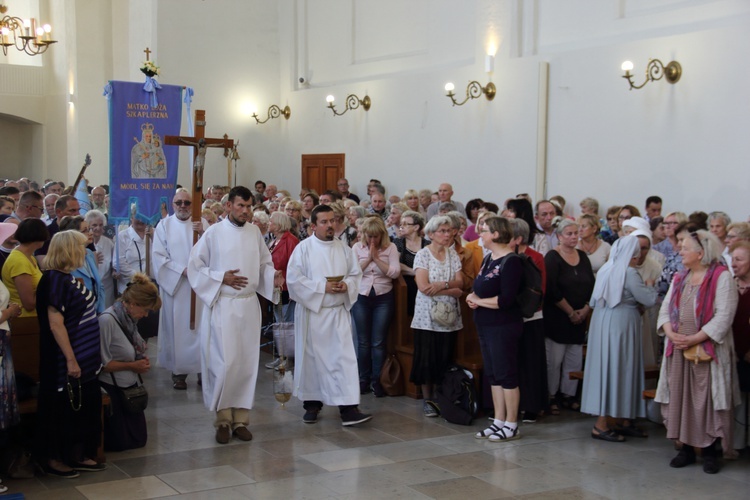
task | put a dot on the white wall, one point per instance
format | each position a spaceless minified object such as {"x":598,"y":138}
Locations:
{"x":686,"y":142}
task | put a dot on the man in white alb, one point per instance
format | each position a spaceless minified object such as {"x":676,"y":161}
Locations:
{"x":323,"y":279}
{"x":227,"y":266}
{"x":179,"y":345}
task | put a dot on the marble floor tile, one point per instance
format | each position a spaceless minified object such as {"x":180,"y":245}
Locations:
{"x":461,"y":489}
{"x":573,"y":493}
{"x":280,"y":448}
{"x":302,"y":488}
{"x":205,"y":479}
{"x":220,"y":494}
{"x":469,"y":464}
{"x":525,"y":480}
{"x":415,"y":472}
{"x":128,"y":489}
{"x":411,"y":450}
{"x":271,"y":469}
{"x":357,"y":437}
{"x":345,"y":459}
{"x":70,"y":493}
{"x":353,"y":481}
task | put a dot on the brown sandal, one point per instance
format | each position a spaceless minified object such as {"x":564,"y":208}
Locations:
{"x":554,"y":409}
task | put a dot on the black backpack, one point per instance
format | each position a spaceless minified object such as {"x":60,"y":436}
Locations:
{"x":530,"y":296}
{"x":456,"y":396}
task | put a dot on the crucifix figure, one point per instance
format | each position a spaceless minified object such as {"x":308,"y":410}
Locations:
{"x":199,"y":144}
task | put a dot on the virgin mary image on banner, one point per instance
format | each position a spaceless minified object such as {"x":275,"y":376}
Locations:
{"x":147,"y":159}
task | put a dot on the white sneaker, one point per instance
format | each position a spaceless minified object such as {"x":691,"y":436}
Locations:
{"x":273,"y":364}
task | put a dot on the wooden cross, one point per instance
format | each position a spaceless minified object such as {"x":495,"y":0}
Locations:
{"x":148,"y":52}
{"x":199,"y":142}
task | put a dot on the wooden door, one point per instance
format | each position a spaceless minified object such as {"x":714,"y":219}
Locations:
{"x":320,"y":172}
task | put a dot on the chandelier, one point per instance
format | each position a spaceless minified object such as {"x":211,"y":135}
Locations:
{"x":24,"y":34}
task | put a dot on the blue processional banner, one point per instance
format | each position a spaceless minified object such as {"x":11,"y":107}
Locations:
{"x":141,"y":171}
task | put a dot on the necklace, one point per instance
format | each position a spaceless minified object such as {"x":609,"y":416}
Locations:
{"x":591,"y":248}
{"x":742,"y":288}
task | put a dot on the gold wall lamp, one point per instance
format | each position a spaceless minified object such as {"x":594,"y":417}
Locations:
{"x":475,"y":90}
{"x":655,"y":70}
{"x":352,"y":102}
{"x":274,"y":112}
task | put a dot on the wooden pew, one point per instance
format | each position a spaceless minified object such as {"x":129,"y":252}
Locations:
{"x":401,"y":340}
{"x":24,"y":341}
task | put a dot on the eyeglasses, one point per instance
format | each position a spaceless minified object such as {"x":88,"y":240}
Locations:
{"x":407,"y":224}
{"x":41,"y":209}
{"x":624,"y":217}
{"x":697,"y":239}
{"x":444,"y":231}
{"x":183,"y":203}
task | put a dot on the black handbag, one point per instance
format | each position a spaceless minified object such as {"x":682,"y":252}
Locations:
{"x":134,"y":399}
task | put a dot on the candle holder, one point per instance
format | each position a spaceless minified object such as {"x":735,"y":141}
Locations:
{"x":655,"y":70}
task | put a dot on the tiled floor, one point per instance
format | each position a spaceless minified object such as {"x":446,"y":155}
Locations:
{"x":399,"y":454}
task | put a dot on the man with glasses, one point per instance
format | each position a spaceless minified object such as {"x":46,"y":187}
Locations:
{"x":546,"y":239}
{"x":343,"y":187}
{"x":179,"y":345}
{"x":29,"y":207}
{"x":49,"y":207}
{"x":66,"y":205}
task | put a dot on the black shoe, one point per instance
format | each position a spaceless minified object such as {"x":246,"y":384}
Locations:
{"x":311,"y":416}
{"x":685,"y":457}
{"x":71,"y":474}
{"x":364,"y":388}
{"x":710,"y":460}
{"x":89,"y":468}
{"x":529,"y":417}
{"x":354,"y":417}
{"x":378,"y":390}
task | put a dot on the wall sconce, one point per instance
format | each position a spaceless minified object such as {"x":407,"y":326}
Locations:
{"x":473,"y":91}
{"x":274,"y":112}
{"x":352,"y":102}
{"x":654,"y":71}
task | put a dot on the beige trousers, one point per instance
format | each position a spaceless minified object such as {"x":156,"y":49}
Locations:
{"x":232,"y":417}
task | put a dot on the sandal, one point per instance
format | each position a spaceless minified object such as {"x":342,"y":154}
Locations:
{"x":631,"y":430}
{"x":608,"y":435}
{"x":489,"y":431}
{"x":505,"y":434}
{"x":554,"y":409}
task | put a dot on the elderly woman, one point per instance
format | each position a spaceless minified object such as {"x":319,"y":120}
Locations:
{"x":409,"y":242}
{"x":355,"y":213}
{"x":281,"y":248}
{"x":69,"y":415}
{"x":341,"y":228}
{"x":437,"y":269}
{"x":21,"y":272}
{"x":717,"y":225}
{"x":673,"y":263}
{"x":458,"y":222}
{"x":394,"y":219}
{"x":590,"y":206}
{"x":656,"y":224}
{"x":261,"y":221}
{"x":105,"y":250}
{"x":740,"y":251}
{"x":499,"y":322}
{"x":570,"y":281}
{"x":613,"y":382}
{"x":472,"y":212}
{"x":124,"y":359}
{"x":375,"y":307}
{"x":736,"y":232}
{"x":596,"y":250}
{"x":89,"y":271}
{"x":209,"y":216}
{"x":625,"y":213}
{"x":698,"y":398}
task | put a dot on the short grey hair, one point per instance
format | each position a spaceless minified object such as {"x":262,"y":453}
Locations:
{"x":719,"y":215}
{"x":563,"y":224}
{"x":708,"y":243}
{"x":359,"y":210}
{"x":434,"y":224}
{"x":447,"y":206}
{"x":415,"y":216}
{"x":591,"y":203}
{"x":261,"y":217}
{"x":95,"y":215}
{"x":456,"y":218}
{"x":520,"y":228}
{"x":282,"y":221}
